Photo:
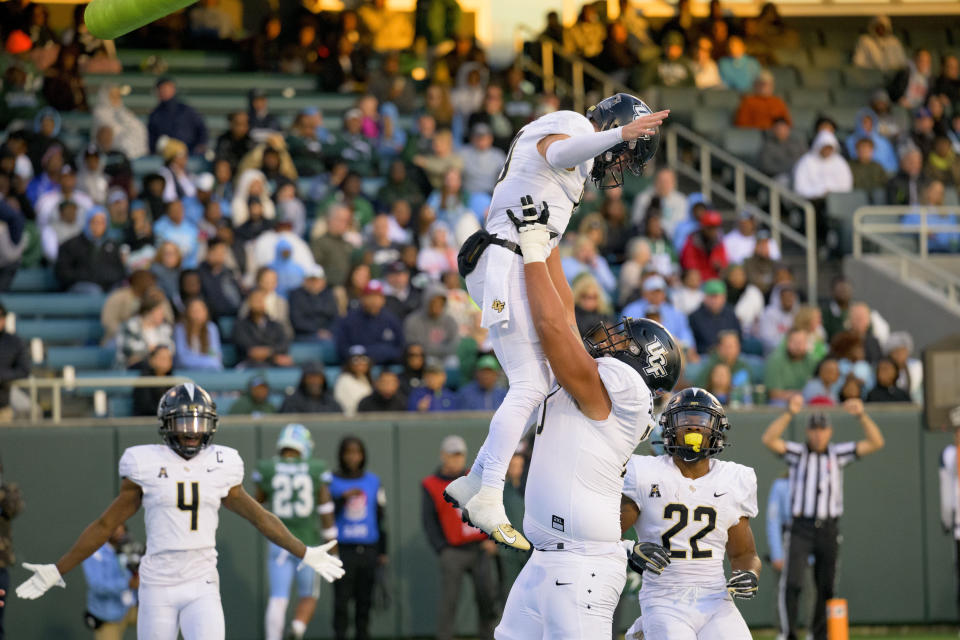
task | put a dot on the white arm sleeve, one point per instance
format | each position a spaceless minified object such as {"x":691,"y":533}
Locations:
{"x":575,"y":150}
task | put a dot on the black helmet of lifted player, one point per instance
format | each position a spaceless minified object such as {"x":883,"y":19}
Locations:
{"x":187,"y":410}
{"x":616,"y":111}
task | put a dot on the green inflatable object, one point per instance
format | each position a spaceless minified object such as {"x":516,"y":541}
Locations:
{"x":109,"y":19}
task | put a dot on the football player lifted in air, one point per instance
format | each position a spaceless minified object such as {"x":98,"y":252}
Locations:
{"x":552,"y":156}
{"x":295,"y":486}
{"x":689,"y":510}
{"x":181,"y":485}
{"x":588,"y":426}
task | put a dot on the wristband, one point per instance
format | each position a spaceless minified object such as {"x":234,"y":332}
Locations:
{"x":330,"y":534}
{"x":325,"y":508}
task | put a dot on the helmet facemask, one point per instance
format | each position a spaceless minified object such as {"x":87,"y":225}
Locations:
{"x":607,"y":172}
{"x":189,"y":429}
{"x":693,"y":433}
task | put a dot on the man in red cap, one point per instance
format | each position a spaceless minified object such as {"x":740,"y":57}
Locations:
{"x":704,"y":248}
{"x":371,"y":325}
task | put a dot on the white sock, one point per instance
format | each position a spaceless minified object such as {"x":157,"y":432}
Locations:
{"x":298,"y":627}
{"x":276,"y":612}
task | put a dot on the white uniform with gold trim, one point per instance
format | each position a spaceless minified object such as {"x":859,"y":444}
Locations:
{"x":691,"y":517}
{"x":497,"y":283}
{"x":179,"y":583}
{"x":571,"y":585}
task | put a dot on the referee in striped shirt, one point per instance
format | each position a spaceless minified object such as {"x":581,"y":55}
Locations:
{"x":816,"y":499}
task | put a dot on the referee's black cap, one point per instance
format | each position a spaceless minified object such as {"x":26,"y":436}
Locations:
{"x":818,"y":421}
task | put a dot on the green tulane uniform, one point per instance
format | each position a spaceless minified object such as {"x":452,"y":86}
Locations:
{"x":291,"y":488}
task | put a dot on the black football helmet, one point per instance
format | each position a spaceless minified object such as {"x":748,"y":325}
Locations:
{"x":694,"y":407}
{"x":187,"y":409}
{"x":610,"y":113}
{"x":643,"y":344}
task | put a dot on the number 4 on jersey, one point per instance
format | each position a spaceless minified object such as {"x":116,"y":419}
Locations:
{"x":194,"y":506}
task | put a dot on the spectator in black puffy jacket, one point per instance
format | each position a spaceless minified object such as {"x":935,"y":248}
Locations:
{"x":312,"y":394}
{"x":371,"y":326}
{"x":221,"y":289}
{"x":313,"y":307}
{"x":146,"y":399}
{"x":260,"y":340}
{"x":89,"y":261}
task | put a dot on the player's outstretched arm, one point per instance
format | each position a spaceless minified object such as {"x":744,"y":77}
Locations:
{"x":772,"y":438}
{"x":873,"y":440}
{"x":317,"y":558}
{"x":555,"y":269}
{"x":93,"y":537}
{"x":575,"y":370}
{"x":562,"y":151}
{"x":744,"y":561}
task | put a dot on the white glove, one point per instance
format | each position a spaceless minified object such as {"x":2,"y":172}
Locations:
{"x":328,"y":566}
{"x":44,"y":576}
{"x":532,"y":230}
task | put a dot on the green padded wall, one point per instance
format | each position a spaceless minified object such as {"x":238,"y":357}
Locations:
{"x":68,"y":475}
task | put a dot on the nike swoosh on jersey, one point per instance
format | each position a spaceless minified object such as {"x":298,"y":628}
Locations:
{"x":503,"y":534}
{"x":212,"y":469}
{"x":717,"y":495}
{"x":562,"y":584}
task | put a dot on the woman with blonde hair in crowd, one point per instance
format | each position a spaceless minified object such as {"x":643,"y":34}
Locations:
{"x":631,"y":272}
{"x":810,"y":319}
{"x":590,"y":303}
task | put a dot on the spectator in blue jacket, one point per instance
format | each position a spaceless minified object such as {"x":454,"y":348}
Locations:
{"x":289,"y":273}
{"x":372,"y":326}
{"x":883,"y":151}
{"x":433,"y":395}
{"x":197,"y":339}
{"x":360,"y":507}
{"x":174,"y":119}
{"x":655,"y":293}
{"x":738,"y":70}
{"x":175,"y":228}
{"x":483,"y":393}
{"x":111,"y":589}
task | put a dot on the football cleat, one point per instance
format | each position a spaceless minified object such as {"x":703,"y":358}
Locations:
{"x":485,"y":512}
{"x":460,"y":491}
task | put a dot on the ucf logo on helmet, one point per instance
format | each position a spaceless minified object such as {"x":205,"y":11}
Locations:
{"x":656,"y":359}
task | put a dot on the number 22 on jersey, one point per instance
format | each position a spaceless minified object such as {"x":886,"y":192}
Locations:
{"x":674,"y":509}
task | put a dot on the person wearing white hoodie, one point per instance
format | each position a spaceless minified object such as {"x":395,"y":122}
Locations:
{"x":822,"y":170}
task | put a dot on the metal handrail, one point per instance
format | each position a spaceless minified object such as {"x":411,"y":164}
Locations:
{"x":58,"y":385}
{"x":874,"y":232}
{"x":741,"y":171}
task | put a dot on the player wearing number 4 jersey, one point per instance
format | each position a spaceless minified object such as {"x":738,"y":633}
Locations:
{"x":181,"y":487}
{"x":587,"y":428}
{"x":295,"y":487}
{"x":688,"y":511}
{"x":551,"y":157}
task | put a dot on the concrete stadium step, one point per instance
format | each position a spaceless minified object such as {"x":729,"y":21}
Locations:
{"x":239,"y":82}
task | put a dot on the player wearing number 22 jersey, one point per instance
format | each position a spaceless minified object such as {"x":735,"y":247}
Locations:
{"x":294,"y":486}
{"x":181,"y":485}
{"x":690,"y":511}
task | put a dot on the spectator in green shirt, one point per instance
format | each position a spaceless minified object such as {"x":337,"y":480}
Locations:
{"x":726,"y":351}
{"x":835,"y":312}
{"x":255,"y":400}
{"x":789,"y":367}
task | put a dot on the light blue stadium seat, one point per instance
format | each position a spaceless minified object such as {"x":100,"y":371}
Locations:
{"x":120,"y":405}
{"x":303,"y":352}
{"x":820,"y":78}
{"x":859,"y":78}
{"x":784,"y":78}
{"x":845,"y":117}
{"x":722,"y":98}
{"x":830,"y":57}
{"x":34,"y":279}
{"x":792,"y":57}
{"x":92,"y":357}
{"x":226,"y":325}
{"x":680,"y":100}
{"x":53,"y":304}
{"x":743,"y":143}
{"x":711,"y":123}
{"x":807,"y":98}
{"x":146,"y":164}
{"x":840,"y":208}
{"x":229,"y":353}
{"x":803,"y":119}
{"x":61,"y":330}
{"x":850,"y":97}
{"x":230,"y":380}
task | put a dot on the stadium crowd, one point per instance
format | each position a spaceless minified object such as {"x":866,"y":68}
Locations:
{"x":347,"y":236}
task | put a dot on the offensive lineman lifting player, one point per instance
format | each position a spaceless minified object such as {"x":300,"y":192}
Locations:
{"x":688,"y":511}
{"x":552,"y":157}
{"x":181,"y":486}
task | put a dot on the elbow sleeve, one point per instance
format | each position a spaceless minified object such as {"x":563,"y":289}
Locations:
{"x":570,"y":152}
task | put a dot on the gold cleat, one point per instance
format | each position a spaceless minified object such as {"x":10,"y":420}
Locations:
{"x":510,"y":538}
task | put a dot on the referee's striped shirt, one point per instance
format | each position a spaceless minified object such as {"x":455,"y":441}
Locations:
{"x":816,"y":479}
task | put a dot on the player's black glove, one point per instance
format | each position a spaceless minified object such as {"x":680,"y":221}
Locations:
{"x":743,"y":584}
{"x":648,"y":556}
{"x":532,"y":230}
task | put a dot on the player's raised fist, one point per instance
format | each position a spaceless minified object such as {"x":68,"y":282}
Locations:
{"x":854,"y":406}
{"x":532,"y":230}
{"x":795,"y":403}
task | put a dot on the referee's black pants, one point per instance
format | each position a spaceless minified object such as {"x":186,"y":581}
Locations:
{"x":818,"y":538}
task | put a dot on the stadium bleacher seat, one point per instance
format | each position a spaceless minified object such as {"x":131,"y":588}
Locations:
{"x":803,"y":120}
{"x":839,"y":39}
{"x":807,"y":98}
{"x":844,"y":116}
{"x":792,"y":57}
{"x":931,"y":39}
{"x":92,"y":357}
{"x":205,"y":61}
{"x":33,"y":279}
{"x":237,"y":82}
{"x":303,"y":352}
{"x":858,"y":78}
{"x":711,"y":123}
{"x":146,"y":164}
{"x":784,"y":78}
{"x":681,"y":100}
{"x":819,"y":78}
{"x":226,"y":325}
{"x":721,"y":98}
{"x":840,"y":208}
{"x":743,"y":143}
{"x":230,"y":380}
{"x":850,"y":96}
{"x":229,"y":354}
{"x":53,"y":304}
{"x":61,"y":330}
{"x":829,"y":57}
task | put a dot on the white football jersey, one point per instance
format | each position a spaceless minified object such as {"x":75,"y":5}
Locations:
{"x":689,"y":517}
{"x":576,"y":474}
{"x":526,"y":172}
{"x":181,"y":502}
